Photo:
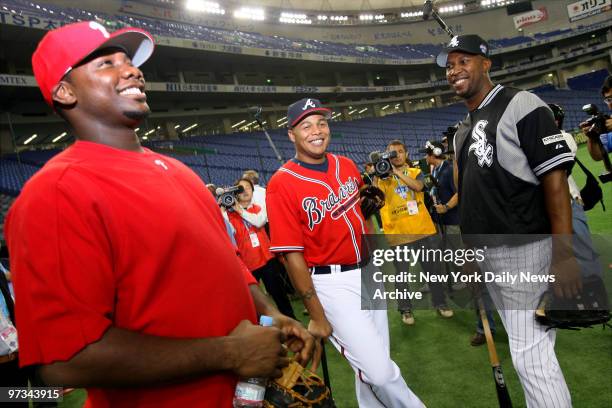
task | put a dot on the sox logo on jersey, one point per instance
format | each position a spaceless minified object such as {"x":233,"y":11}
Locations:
{"x":481,"y":148}
{"x":335,"y":204}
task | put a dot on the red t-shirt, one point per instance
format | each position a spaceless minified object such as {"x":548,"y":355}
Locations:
{"x":101,"y":237}
{"x":316,"y":212}
{"x":254,"y":257}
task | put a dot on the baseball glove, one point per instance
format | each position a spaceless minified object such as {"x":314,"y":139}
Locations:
{"x":372,"y":200}
{"x":588,"y":309}
{"x":297,"y":388}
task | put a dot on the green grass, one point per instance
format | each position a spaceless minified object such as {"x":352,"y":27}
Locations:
{"x":442,"y":368}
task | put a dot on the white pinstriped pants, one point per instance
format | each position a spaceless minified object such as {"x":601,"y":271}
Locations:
{"x":362,"y":337}
{"x":531,"y":346}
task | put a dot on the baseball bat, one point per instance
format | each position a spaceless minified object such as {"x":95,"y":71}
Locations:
{"x":503,"y":397}
{"x":430,"y":11}
{"x":325,"y":369}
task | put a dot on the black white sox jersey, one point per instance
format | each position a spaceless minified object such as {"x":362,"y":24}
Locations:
{"x":503,"y":148}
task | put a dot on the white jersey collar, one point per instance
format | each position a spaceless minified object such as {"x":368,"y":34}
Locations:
{"x":490,"y":96}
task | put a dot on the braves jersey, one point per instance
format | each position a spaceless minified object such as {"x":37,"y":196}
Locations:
{"x":317,"y":212}
{"x":503,"y":148}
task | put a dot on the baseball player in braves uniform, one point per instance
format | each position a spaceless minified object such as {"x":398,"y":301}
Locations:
{"x":510,"y":166}
{"x":316,"y":220}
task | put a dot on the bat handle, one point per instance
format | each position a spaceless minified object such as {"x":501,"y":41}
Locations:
{"x":442,"y":23}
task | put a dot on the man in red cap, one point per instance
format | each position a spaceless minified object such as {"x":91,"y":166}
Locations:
{"x":126,"y":281}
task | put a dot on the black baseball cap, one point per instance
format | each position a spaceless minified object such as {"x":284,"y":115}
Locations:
{"x":297,"y":111}
{"x":471,"y":44}
{"x":431,"y":145}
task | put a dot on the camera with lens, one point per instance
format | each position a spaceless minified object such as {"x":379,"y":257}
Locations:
{"x":597,"y":127}
{"x":597,"y":121}
{"x":382,"y":163}
{"x":227,"y":197}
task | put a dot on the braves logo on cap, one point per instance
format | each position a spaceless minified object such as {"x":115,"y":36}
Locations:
{"x":483,"y":48}
{"x":454,"y":42}
{"x":309,"y":104}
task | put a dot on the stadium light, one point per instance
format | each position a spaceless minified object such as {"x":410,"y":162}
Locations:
{"x":385,"y":107}
{"x":492,"y":3}
{"x":187,"y":129}
{"x":451,"y":8}
{"x":294,"y":18}
{"x":29,"y":139}
{"x":363,"y":110}
{"x":281,"y":119}
{"x":411,"y":14}
{"x":145,"y":138}
{"x":204,"y":7}
{"x":149,"y":132}
{"x":177,"y":126}
{"x":250,"y":13}
{"x":238,"y":124}
{"x":58,"y":138}
{"x":353,"y":111}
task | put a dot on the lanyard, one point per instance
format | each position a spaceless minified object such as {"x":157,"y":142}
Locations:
{"x":401,"y":187}
{"x":437,"y":170}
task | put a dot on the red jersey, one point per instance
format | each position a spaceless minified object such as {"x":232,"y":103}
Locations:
{"x":106,"y":237}
{"x":253,"y":243}
{"x":317,"y":212}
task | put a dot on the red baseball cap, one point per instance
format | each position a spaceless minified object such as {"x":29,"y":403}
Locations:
{"x":63,"y":49}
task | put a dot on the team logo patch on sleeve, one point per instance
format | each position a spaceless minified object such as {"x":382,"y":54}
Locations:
{"x":553,"y":139}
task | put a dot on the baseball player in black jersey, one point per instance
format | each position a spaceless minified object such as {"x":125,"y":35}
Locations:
{"x":510,"y":168}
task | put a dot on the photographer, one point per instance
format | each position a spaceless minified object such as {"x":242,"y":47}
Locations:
{"x":599,"y":150}
{"x":248,"y":220}
{"x":446,"y":201}
{"x":406,"y":221}
{"x":587,"y":257}
{"x":443,"y":191}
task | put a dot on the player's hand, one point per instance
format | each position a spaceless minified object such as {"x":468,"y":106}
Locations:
{"x":259,"y":351}
{"x":441,"y":208}
{"x":568,"y":281}
{"x":299,"y":340}
{"x":320,"y":329}
{"x":237,"y":208}
{"x":609,"y":124}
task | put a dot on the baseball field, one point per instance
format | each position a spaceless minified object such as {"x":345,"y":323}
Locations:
{"x":444,"y":370}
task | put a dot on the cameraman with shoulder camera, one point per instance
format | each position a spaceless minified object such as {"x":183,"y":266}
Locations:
{"x":406,"y":221}
{"x":596,"y":132}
